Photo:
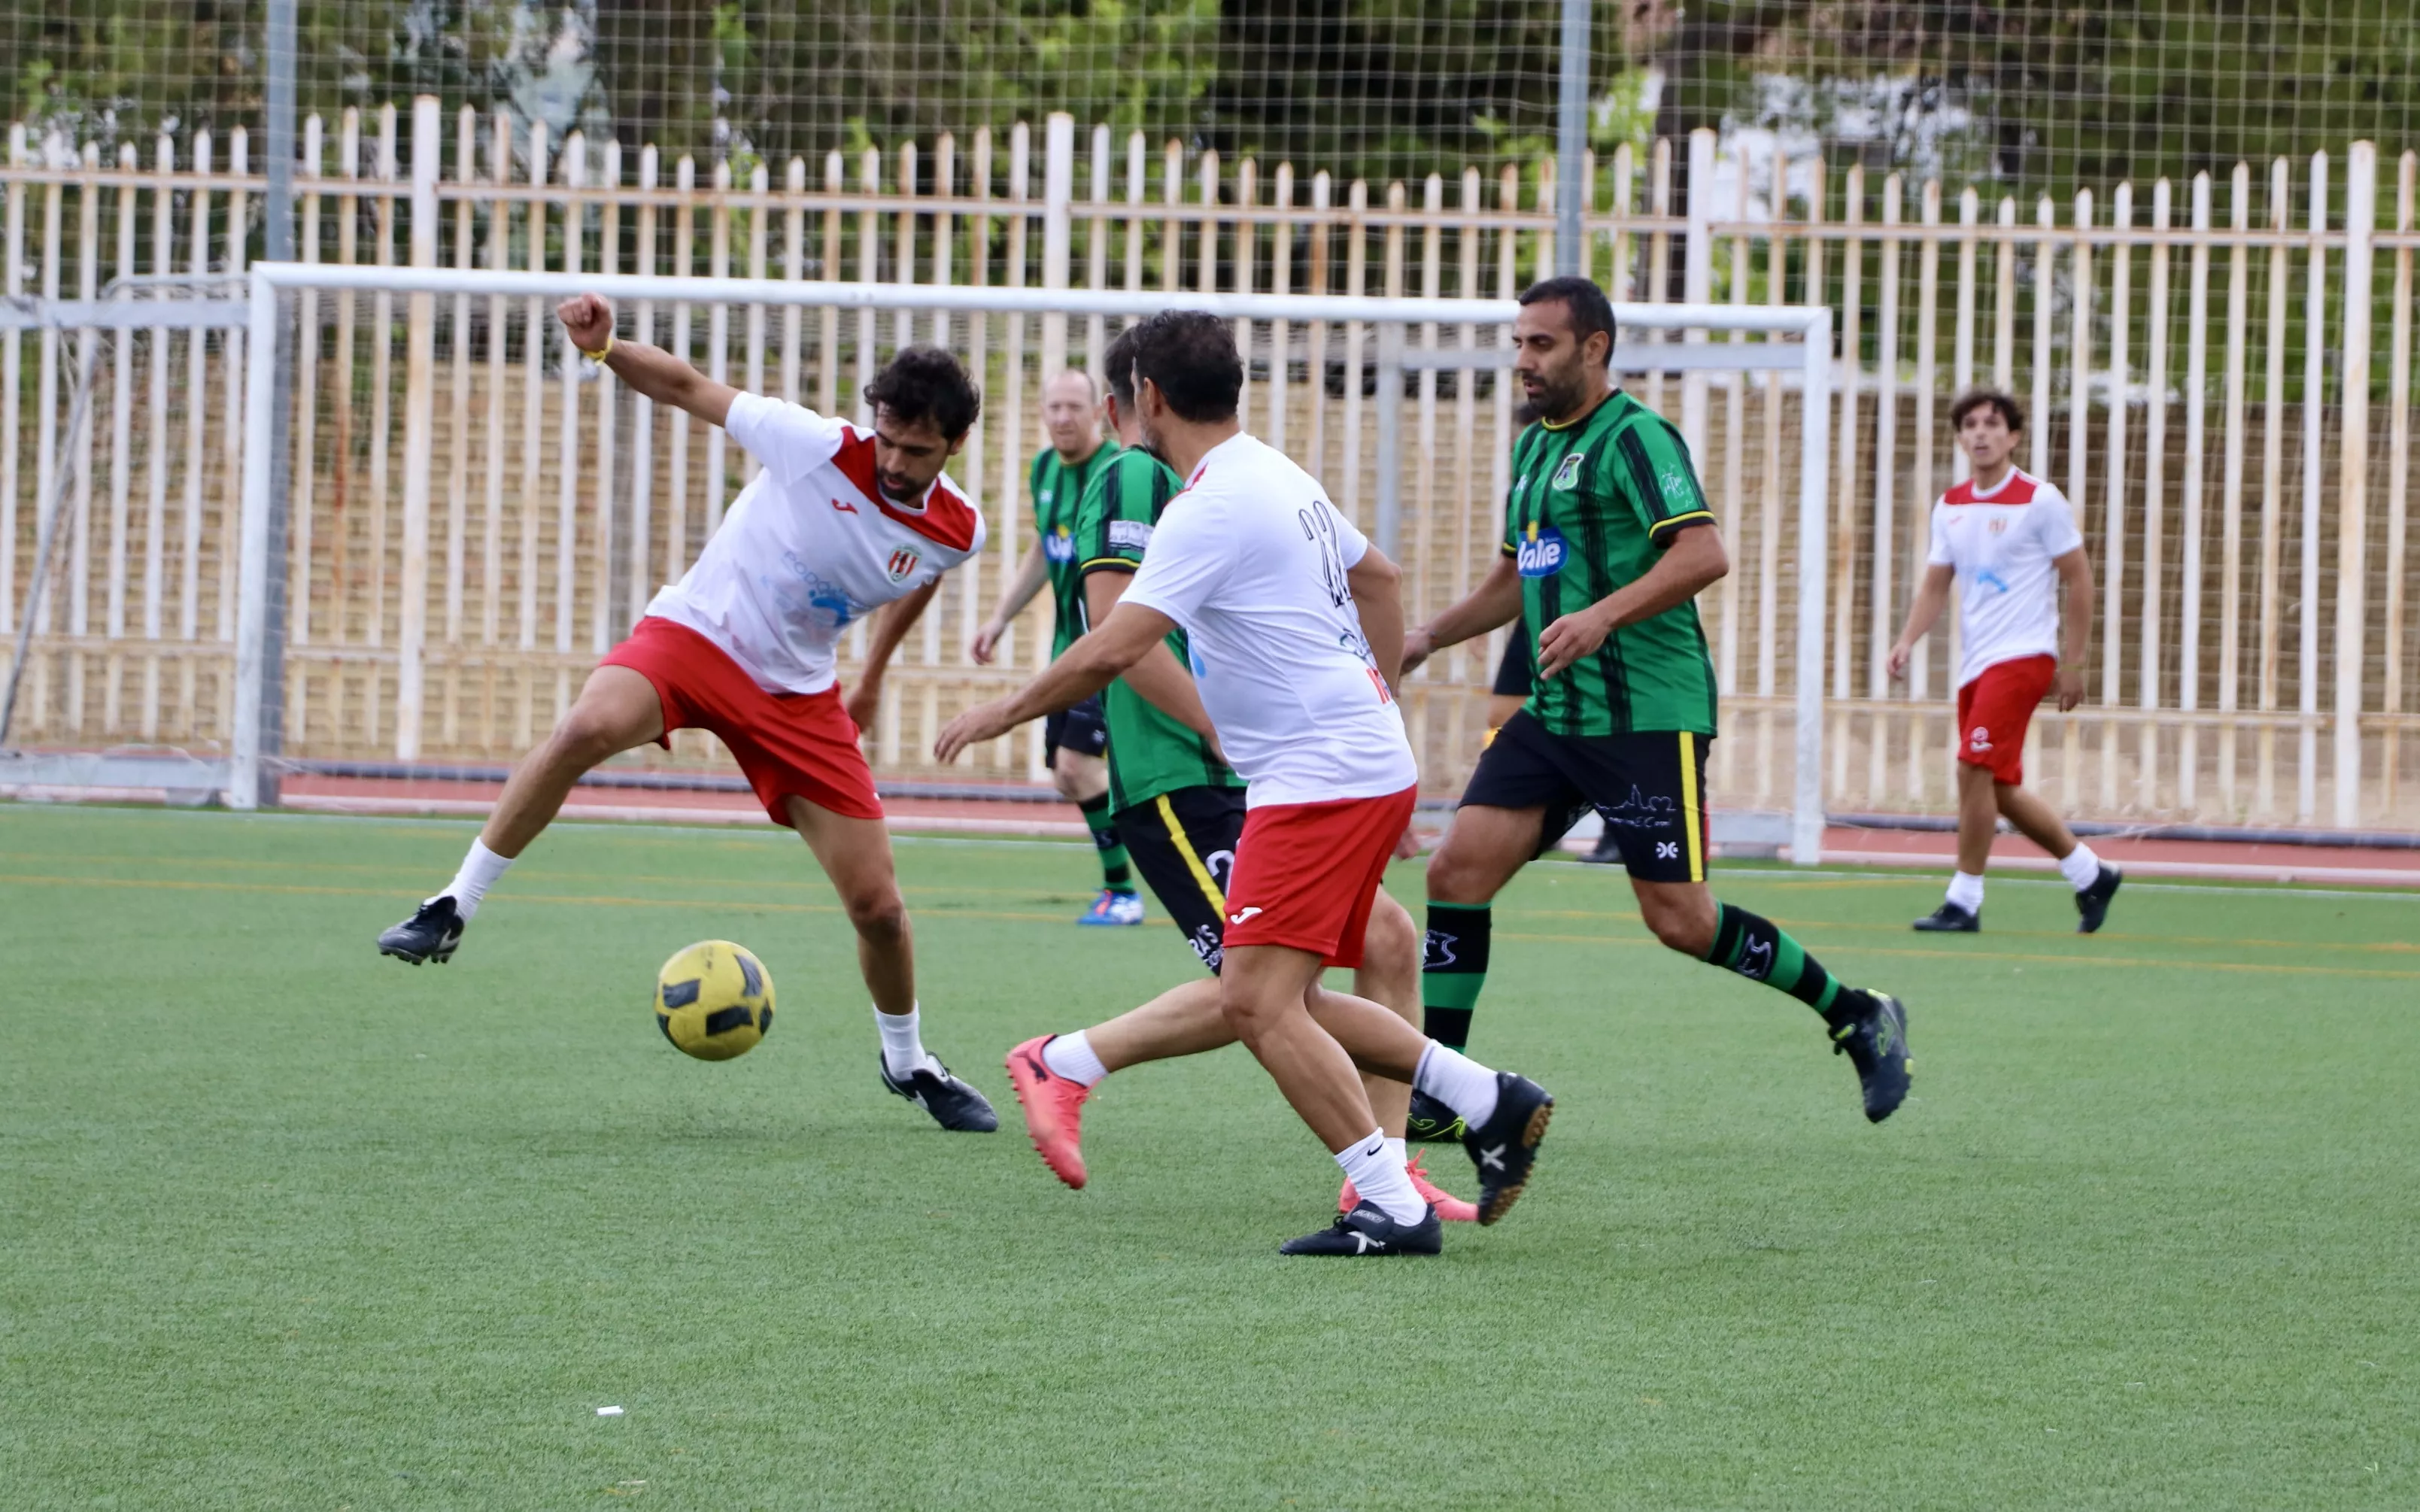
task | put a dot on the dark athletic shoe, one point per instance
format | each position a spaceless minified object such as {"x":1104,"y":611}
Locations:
{"x":1368,"y":1232}
{"x":433,"y":933}
{"x":1432,"y":1122}
{"x":953,"y":1105}
{"x":1505,"y":1146}
{"x":1608,"y":851}
{"x":2093,"y":902}
{"x":1875,"y":1042}
{"x":1949,"y":919}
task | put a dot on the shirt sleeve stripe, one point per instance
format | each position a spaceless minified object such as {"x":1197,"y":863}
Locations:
{"x":1115,"y":563}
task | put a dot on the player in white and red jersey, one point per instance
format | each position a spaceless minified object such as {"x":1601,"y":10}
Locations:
{"x":840,"y":523}
{"x":2009,"y":541}
{"x":1293,"y":624}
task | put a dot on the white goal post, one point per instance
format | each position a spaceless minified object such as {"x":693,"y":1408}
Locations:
{"x":1799,"y":343}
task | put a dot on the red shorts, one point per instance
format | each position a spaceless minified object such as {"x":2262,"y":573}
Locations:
{"x":1994,"y":709}
{"x":1306,"y":874}
{"x":800,"y":744}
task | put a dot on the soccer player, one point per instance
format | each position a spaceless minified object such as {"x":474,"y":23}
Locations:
{"x":2009,"y":541}
{"x":839,"y":524}
{"x":1073,"y":739}
{"x":1181,"y":809}
{"x":1292,"y":620}
{"x":1608,"y":544}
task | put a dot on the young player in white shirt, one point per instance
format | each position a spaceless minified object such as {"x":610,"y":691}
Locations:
{"x":840,"y":523}
{"x":1294,"y":623}
{"x":2009,"y":541}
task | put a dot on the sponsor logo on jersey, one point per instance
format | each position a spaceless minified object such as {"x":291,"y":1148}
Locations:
{"x":903,"y":562}
{"x":1059,"y":546}
{"x":1129,"y":535}
{"x":1567,"y":476}
{"x":1680,"y":490}
{"x":1990,"y":579}
{"x":1543,"y":552}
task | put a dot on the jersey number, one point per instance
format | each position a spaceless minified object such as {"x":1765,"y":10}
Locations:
{"x":1319,"y":528}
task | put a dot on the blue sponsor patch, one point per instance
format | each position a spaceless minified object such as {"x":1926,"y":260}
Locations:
{"x":1058,"y":546}
{"x":1541,"y":554}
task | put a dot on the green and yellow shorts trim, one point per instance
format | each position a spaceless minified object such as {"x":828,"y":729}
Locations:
{"x":1649,"y":786}
{"x":1182,"y":843}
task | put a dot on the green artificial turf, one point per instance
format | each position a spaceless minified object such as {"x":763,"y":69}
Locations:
{"x":283,"y":1224}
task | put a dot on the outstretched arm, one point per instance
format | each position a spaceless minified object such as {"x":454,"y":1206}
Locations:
{"x":890,"y":628}
{"x":588,"y":320}
{"x":1496,"y":602}
{"x":1694,"y":559}
{"x":1090,"y":665}
{"x":1030,"y":574}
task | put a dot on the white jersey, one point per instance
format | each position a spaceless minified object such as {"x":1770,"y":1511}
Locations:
{"x":811,"y":546}
{"x":1251,"y":560}
{"x":2002,"y":541}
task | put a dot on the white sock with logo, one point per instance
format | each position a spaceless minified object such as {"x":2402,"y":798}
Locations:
{"x":903,"y":1049}
{"x":481,"y":869}
{"x":1071,"y":1056}
{"x":1374,"y":1165}
{"x":1458,"y":1082}
{"x":2080,"y":866}
{"x":1966,"y":890}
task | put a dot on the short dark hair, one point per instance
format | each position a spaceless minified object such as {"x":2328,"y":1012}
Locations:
{"x":1590,"y":311}
{"x":1192,"y":357}
{"x":927,"y":383}
{"x":1119,"y":363}
{"x":1999,"y":398}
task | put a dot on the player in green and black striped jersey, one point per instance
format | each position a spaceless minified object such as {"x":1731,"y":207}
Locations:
{"x":1608,"y":541}
{"x":1072,"y":741}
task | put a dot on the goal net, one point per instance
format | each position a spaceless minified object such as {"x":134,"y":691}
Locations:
{"x":472,"y":514}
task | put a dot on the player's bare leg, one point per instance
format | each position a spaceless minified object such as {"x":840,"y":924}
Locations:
{"x":1084,"y":781}
{"x":618,"y":711}
{"x":856,"y":855}
{"x":2032,"y":817}
{"x":2094,"y":881}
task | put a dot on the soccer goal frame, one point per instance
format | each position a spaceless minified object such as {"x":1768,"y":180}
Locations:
{"x":1799,"y":340}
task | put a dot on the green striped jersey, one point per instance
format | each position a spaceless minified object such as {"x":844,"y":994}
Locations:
{"x":1057,"y":486}
{"x":1594,"y":502}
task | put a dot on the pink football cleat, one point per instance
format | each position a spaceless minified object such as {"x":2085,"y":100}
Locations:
{"x":1054,"y":1111}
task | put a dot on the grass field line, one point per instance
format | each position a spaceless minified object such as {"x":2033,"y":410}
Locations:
{"x":608,"y":900}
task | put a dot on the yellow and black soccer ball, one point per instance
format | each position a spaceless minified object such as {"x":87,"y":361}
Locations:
{"x":714,"y":1001}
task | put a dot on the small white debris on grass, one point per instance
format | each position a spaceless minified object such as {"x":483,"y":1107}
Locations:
{"x":608,"y":1411}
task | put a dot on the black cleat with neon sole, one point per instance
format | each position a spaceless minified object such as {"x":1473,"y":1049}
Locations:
{"x":1505,"y":1148}
{"x":434,"y":933}
{"x":1874,"y":1037}
{"x":954,"y":1104}
{"x":1432,"y":1122}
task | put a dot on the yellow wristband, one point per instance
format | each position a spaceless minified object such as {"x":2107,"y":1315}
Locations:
{"x":600,"y":355}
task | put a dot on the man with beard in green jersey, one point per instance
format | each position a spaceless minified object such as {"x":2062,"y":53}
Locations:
{"x":1072,"y":741}
{"x":1607,"y":542}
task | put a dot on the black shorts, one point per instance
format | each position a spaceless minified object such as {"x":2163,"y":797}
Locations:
{"x":1080,"y":729}
{"x":1649,"y":786}
{"x":1516,"y":675}
{"x":1184,"y":844}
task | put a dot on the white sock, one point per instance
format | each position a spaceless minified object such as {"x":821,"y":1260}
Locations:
{"x":903,"y":1051}
{"x":1374,"y":1165}
{"x":2080,"y":866}
{"x":481,"y":869}
{"x":1966,"y":890}
{"x":1071,"y":1056}
{"x":1402,"y":1151}
{"x":1458,"y":1082}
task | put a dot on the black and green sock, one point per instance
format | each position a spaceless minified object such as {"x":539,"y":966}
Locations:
{"x":1454,"y":967}
{"x":1116,"y":875}
{"x":1761,"y":951}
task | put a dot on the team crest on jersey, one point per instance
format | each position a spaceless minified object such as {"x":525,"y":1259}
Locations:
{"x":1542,"y":552}
{"x":1567,"y":476}
{"x":1059,"y":546}
{"x":1998,"y":525}
{"x":903,"y":562}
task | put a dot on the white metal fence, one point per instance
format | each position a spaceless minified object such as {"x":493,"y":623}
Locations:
{"x":2218,"y":371}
